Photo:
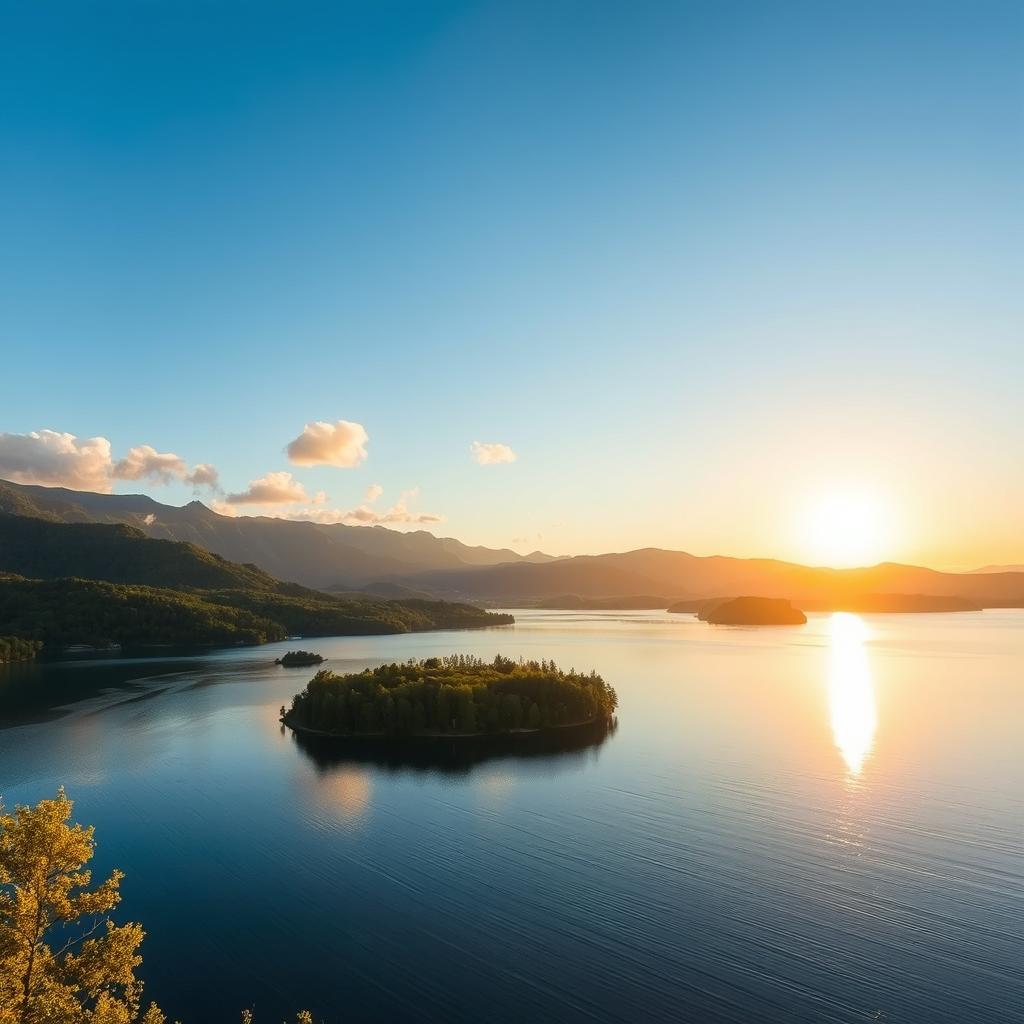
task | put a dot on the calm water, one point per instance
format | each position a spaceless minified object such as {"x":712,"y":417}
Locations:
{"x":818,"y":823}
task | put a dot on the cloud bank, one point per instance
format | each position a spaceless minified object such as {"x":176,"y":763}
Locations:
{"x":56,"y":459}
{"x":491,"y":454}
{"x":340,"y":444}
{"x":398,"y":514}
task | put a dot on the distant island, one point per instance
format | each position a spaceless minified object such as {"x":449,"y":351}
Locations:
{"x":299,"y":659}
{"x":752,"y":611}
{"x":454,"y":696}
{"x":755,"y":611}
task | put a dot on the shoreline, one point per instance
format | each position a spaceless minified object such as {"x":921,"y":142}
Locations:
{"x":386,"y":737}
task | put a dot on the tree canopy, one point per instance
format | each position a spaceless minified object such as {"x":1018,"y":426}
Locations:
{"x":455,"y":695}
{"x":100,"y":584}
{"x":62,"y":959}
{"x":16,"y":648}
{"x":45,"y":888}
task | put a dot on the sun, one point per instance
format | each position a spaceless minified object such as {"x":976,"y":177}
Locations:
{"x":845,"y":527}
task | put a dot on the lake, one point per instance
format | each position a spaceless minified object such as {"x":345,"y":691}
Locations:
{"x":817,"y":823}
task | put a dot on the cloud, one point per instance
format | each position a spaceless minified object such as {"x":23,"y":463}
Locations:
{"x":398,"y":514}
{"x":373,"y":492}
{"x":150,"y":519}
{"x":57,"y":460}
{"x":222,"y":508}
{"x":329,"y":444}
{"x":272,"y":489}
{"x":491,"y":454}
{"x":52,"y":458}
{"x":204,"y":475}
{"x":144,"y":462}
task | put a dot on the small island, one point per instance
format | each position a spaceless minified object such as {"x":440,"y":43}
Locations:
{"x":299,"y":659}
{"x":753,"y":611}
{"x":454,"y":696}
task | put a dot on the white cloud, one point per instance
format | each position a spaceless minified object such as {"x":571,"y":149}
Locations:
{"x":373,"y":492}
{"x":329,"y":444}
{"x":150,"y":519}
{"x":491,"y":454}
{"x":272,"y":489}
{"x":56,"y":460}
{"x":145,"y":462}
{"x":84,"y":464}
{"x":398,"y":514}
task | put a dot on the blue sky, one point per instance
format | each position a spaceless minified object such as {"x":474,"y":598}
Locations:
{"x":695,"y":263}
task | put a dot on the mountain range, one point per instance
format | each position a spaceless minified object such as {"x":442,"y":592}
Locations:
{"x":329,"y":557}
{"x":391,"y":563}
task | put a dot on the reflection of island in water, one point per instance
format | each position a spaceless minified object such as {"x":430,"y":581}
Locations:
{"x":851,"y":694}
{"x":455,"y":756}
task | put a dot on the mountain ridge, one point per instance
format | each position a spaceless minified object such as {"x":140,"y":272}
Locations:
{"x":312,"y":554}
{"x":358,"y":558}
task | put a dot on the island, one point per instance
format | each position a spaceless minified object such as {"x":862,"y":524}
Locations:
{"x":454,"y":696}
{"x":753,"y":611}
{"x":299,"y":659}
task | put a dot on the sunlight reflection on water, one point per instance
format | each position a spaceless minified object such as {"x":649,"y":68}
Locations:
{"x":851,"y":693}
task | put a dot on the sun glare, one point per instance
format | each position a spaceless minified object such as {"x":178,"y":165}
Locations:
{"x":851,"y":693}
{"x":845,"y":528}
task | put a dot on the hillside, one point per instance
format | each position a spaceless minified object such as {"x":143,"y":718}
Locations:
{"x":313,"y":554}
{"x":92,"y":583}
{"x":40,"y":549}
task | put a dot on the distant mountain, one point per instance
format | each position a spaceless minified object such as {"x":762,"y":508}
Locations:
{"x":997,"y":568}
{"x":374,"y":560}
{"x":654,"y":571}
{"x":315,"y":555}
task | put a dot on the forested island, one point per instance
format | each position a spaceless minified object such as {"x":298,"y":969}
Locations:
{"x":299,"y":659}
{"x":752,"y":611}
{"x":454,"y":696}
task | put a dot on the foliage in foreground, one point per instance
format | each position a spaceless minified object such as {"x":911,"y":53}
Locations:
{"x":62,"y":960}
{"x":452,"y":695}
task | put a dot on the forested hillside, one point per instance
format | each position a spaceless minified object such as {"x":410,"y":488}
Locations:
{"x":99,"y":584}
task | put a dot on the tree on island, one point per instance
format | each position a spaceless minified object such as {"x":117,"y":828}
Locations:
{"x":62,"y":960}
{"x":458,"y":695}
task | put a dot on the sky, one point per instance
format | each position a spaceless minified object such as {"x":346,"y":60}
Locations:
{"x":726,"y":277}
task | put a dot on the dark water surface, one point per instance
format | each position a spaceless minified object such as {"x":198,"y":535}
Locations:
{"x":820,"y":823}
